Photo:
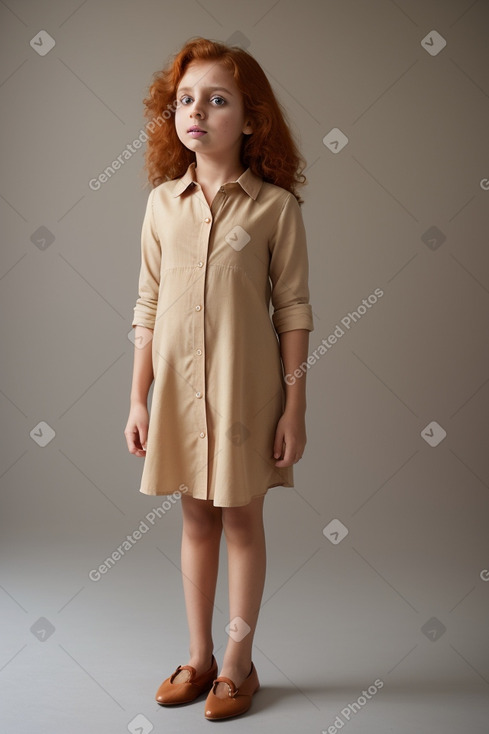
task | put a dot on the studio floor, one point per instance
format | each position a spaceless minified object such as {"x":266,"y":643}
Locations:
{"x":89,"y":656}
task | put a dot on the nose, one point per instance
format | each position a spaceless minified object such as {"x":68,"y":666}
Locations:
{"x":195,"y":110}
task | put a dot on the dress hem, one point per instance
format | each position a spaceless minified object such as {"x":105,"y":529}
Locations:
{"x":243,"y":504}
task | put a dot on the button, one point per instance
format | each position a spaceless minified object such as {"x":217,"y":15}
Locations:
{"x":197,"y":308}
{"x":202,"y":434}
{"x":207,"y":220}
{"x":198,"y":351}
{"x":198,"y":394}
{"x":200,"y":264}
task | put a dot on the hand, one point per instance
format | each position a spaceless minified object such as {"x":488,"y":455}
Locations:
{"x":136,"y":430}
{"x":290,"y":438}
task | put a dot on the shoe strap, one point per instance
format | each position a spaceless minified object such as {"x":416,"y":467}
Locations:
{"x":233,"y":691}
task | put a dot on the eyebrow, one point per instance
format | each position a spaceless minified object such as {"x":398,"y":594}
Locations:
{"x":208,"y":89}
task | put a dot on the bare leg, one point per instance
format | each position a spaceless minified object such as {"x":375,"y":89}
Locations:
{"x":245,"y":538}
{"x":201,"y":535}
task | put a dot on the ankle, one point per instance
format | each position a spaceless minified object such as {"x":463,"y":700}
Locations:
{"x":241,"y":668}
{"x":201,"y":658}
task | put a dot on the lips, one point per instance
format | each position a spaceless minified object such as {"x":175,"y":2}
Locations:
{"x":195,"y":129}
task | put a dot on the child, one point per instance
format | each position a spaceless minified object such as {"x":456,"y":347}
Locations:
{"x":221,"y":237}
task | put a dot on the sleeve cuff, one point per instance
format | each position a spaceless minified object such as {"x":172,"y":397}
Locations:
{"x":295,"y":316}
{"x":144,"y":316}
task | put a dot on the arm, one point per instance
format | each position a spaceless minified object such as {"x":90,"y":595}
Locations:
{"x":293,"y":347}
{"x":290,"y":436}
{"x":136,"y":430}
{"x":292,"y":319}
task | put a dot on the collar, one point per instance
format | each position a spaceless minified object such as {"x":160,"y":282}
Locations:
{"x":249,"y":181}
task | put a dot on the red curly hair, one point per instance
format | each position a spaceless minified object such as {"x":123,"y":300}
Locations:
{"x":270,"y":151}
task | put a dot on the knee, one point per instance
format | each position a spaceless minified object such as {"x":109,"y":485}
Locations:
{"x":241,"y":527}
{"x":202,"y":523}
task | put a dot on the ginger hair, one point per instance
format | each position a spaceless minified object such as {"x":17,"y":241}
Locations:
{"x":270,"y":151}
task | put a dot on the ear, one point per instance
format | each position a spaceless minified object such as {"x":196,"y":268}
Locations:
{"x":247,"y":128}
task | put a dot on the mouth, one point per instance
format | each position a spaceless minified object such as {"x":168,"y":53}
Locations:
{"x":196,"y":131}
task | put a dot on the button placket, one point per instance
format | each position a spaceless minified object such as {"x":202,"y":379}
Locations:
{"x":200,"y":387}
{"x":199,"y":347}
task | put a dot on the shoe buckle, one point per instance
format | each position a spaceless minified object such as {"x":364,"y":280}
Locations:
{"x":232,"y":690}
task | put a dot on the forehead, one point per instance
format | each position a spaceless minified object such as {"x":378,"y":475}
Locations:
{"x":200,"y":74}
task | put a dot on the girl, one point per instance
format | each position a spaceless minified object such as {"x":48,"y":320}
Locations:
{"x":222,"y":237}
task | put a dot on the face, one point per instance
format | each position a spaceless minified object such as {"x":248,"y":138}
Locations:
{"x":207,"y":97}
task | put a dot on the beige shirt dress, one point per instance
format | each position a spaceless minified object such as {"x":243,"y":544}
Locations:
{"x":208,"y":279}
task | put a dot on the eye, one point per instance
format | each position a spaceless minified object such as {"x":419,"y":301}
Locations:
{"x":223,"y":101}
{"x":184,"y":98}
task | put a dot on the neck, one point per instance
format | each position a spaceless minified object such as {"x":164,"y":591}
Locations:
{"x":219,"y":172}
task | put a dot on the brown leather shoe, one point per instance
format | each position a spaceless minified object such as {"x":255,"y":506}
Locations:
{"x":170,"y":693}
{"x":238,"y":700}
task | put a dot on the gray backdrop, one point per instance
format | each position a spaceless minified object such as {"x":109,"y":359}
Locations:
{"x":378,"y":558}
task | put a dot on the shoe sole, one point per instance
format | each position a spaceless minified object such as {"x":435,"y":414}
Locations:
{"x":183,"y":703}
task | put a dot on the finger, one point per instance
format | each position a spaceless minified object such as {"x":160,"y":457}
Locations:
{"x":278,"y":444}
{"x":129,"y":438}
{"x":133,"y":442}
{"x":284,"y":460}
{"x":291,"y":455}
{"x":140,"y":444}
{"x":132,"y":445}
{"x":143,"y":436}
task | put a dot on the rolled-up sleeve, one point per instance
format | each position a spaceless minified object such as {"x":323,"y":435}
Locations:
{"x":149,"y":275}
{"x":289,"y":271}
